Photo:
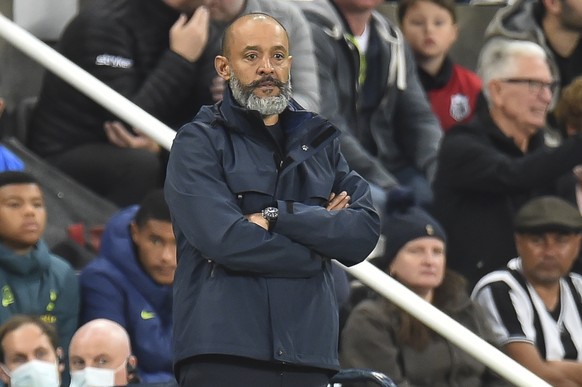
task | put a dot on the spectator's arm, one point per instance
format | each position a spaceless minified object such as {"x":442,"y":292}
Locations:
{"x":557,"y":373}
{"x":101,"y":298}
{"x":471,"y":164}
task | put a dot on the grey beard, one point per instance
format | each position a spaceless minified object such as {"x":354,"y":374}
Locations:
{"x":266,"y":106}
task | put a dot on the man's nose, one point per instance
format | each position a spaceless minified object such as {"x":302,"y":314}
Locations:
{"x":266,"y":66}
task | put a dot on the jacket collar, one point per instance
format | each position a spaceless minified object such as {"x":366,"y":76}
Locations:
{"x":35,"y":261}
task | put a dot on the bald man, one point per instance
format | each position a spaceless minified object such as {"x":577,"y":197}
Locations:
{"x":261,"y":200}
{"x":100,"y":355}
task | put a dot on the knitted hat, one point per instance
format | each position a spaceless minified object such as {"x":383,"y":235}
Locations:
{"x":548,"y":214}
{"x":403,"y":223}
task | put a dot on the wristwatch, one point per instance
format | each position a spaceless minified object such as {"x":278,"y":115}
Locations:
{"x":271,"y":214}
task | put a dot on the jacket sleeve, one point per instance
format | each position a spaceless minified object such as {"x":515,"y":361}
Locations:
{"x":418,"y":128}
{"x":205,"y":213}
{"x":101,"y":297}
{"x":88,"y":38}
{"x":367,"y":342}
{"x":347,"y":235}
{"x":359,"y":158}
{"x":471,"y":164}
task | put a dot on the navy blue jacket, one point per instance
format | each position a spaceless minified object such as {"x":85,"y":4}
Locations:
{"x":239,"y":289}
{"x":114,"y":286}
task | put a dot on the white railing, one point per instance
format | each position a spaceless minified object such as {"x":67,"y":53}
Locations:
{"x":365,"y":271}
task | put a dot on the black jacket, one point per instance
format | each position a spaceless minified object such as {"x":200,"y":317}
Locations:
{"x":124,"y":43}
{"x":482,"y":180}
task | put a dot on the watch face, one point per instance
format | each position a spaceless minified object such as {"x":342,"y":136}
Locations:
{"x":270,"y":213}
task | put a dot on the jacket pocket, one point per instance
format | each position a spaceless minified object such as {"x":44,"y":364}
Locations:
{"x":254,"y":191}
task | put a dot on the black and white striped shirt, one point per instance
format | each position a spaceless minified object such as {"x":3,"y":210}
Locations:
{"x":515,"y":312}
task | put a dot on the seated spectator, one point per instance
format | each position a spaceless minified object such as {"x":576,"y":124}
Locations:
{"x":370,"y":90}
{"x":100,"y":355}
{"x":33,"y":281}
{"x":130,"y":282}
{"x":29,"y":353}
{"x":534,"y":305}
{"x":430,"y":27}
{"x":380,"y":336}
{"x":492,"y":165}
{"x":157,"y":53}
{"x":304,"y":70}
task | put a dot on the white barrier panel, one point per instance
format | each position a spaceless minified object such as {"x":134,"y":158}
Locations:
{"x":365,"y":271}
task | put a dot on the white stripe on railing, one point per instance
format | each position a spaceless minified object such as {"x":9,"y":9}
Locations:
{"x":365,"y":271}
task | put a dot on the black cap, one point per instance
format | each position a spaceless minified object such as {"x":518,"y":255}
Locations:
{"x":548,"y":214}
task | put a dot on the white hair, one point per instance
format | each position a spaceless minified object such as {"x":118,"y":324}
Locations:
{"x":498,"y":59}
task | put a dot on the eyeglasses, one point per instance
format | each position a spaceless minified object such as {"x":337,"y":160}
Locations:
{"x":535,"y":86}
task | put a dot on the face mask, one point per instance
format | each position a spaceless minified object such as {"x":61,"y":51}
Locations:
{"x":93,"y":377}
{"x":35,"y":373}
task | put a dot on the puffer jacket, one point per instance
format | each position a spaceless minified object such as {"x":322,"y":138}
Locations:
{"x":125,"y":44}
{"x":115,"y":286}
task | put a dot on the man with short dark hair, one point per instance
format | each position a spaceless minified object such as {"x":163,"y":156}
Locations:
{"x":130,"y":282}
{"x":33,"y":280}
{"x":534,"y":306}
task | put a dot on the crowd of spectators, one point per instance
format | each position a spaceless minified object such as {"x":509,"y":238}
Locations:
{"x":489,"y":164}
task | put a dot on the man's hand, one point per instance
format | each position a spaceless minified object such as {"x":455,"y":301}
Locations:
{"x":118,"y":135}
{"x":2,"y":105}
{"x":188,"y":38}
{"x":257,"y":218}
{"x":338,"y":202}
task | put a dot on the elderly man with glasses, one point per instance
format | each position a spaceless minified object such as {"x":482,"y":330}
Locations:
{"x":489,"y":167}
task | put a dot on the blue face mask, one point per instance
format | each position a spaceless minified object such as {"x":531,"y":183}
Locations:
{"x":35,"y":373}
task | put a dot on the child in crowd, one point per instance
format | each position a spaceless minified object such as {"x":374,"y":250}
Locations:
{"x":430,"y":27}
{"x":32,"y":280}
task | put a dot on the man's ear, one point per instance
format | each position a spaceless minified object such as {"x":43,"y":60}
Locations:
{"x":133,"y":230}
{"x":131,"y":369}
{"x":222,"y":67}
